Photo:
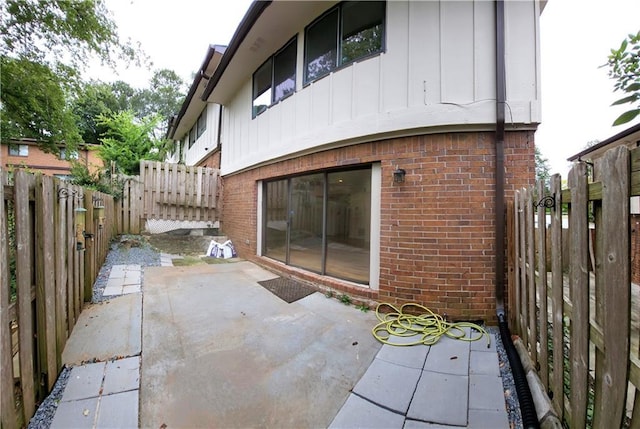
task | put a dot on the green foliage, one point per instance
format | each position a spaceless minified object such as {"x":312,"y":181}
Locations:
{"x":164,"y":97}
{"x":43,"y":46}
{"x":34,"y":104}
{"x":542,"y":167}
{"x":345,"y":299}
{"x":624,"y":67}
{"x":98,"y":98}
{"x":128,"y":140}
{"x":363,"y":307}
{"x":61,"y":31}
{"x":99,"y":181}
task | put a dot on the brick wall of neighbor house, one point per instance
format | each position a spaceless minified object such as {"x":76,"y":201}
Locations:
{"x":48,"y":163}
{"x":437,"y":228}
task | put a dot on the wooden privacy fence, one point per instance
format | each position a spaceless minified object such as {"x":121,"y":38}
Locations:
{"x":577,"y":324}
{"x":45,"y":278}
{"x":170,"y":192}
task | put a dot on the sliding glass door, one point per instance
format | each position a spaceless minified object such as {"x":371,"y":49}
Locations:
{"x":321,"y":222}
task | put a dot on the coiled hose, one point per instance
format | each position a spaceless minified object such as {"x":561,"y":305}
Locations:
{"x":416,"y":320}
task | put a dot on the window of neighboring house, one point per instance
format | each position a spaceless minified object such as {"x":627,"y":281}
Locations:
{"x":275,"y":79}
{"x":202,"y":122}
{"x":66,"y":154}
{"x":19,"y":150}
{"x":192,"y":136}
{"x":348,"y":32}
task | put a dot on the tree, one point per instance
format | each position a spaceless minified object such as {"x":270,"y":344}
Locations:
{"x":542,"y":167}
{"x":34,"y":104}
{"x":164,"y":97}
{"x":128,"y":140}
{"x":95,"y":99}
{"x":624,"y":67}
{"x":43,"y":46}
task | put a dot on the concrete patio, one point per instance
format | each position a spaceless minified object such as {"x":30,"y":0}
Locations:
{"x":207,"y":346}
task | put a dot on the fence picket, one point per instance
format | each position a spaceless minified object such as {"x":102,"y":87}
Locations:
{"x":531,"y":277}
{"x":611,"y":386}
{"x":7,"y":396}
{"x":541,"y":284}
{"x":579,"y":284}
{"x":524,"y":321}
{"x":557,"y":301}
{"x":24,"y":183}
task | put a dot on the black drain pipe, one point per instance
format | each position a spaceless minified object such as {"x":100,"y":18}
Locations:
{"x":527,"y":407}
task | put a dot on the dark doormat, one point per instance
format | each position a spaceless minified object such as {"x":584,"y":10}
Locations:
{"x":286,"y":289}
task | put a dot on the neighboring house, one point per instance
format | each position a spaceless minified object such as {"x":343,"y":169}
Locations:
{"x":630,"y":138}
{"x":27,"y":153}
{"x":196,"y":128}
{"x":359,"y":143}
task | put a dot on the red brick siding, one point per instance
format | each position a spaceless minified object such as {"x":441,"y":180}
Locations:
{"x":437,"y":229}
{"x":48,"y":163}
{"x":211,"y":161}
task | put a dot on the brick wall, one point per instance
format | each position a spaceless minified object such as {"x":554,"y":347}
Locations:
{"x":48,"y":163}
{"x":211,"y":161}
{"x":437,"y":228}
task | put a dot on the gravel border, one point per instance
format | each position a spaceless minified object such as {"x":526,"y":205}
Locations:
{"x":509,"y":385}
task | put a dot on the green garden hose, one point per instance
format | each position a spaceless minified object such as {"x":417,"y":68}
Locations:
{"x":426,"y":325}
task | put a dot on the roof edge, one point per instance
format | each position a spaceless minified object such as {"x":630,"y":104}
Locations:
{"x":174,"y":120}
{"x":247,"y":23}
{"x":620,"y":135}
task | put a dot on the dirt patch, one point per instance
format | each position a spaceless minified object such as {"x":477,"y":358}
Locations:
{"x":185,"y":245}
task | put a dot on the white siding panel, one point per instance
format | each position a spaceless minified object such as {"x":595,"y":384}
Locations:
{"x":341,"y":94}
{"x":424,"y":54}
{"x":288,"y":119}
{"x":485,"y":51}
{"x":367,"y":87}
{"x":302,"y":100}
{"x":457,"y":51}
{"x":320,"y":102}
{"x":395,"y":61}
{"x":520,"y":45}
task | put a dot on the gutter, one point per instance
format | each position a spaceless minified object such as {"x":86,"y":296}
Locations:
{"x":250,"y":18}
{"x":625,"y":133}
{"x":525,"y":399}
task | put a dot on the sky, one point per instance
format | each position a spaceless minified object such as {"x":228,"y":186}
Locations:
{"x":575,"y":38}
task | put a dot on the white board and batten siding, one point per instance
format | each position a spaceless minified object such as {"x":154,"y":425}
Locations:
{"x":438,"y":70}
{"x":208,"y":141}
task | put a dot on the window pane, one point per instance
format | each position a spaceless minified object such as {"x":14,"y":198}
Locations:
{"x":284,"y":72}
{"x":349,"y":224}
{"x":362,"y":28}
{"x":19,"y":150}
{"x":307,"y":197}
{"x":321,"y":44}
{"x":192,"y":136}
{"x":262,"y":88}
{"x":275,"y":244}
{"x":202,"y":122}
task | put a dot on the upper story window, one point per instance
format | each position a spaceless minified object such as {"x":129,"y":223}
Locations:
{"x":275,"y":79}
{"x":66,"y":154}
{"x":19,"y":150}
{"x":351,"y":30}
{"x":192,"y":136}
{"x":202,"y":122}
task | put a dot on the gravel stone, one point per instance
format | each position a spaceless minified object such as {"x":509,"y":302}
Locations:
{"x":510,"y":393}
{"x":44,"y":415}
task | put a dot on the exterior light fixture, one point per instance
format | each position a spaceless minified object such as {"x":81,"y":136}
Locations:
{"x":398,"y":175}
{"x":81,"y":234}
{"x":98,"y":214}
